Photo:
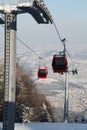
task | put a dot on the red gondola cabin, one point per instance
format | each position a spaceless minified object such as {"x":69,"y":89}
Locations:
{"x":42,"y":73}
{"x":59,"y":63}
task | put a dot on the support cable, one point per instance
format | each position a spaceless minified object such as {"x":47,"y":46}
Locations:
{"x":31,"y":50}
{"x":62,"y":41}
{"x":28,"y":47}
{"x":57,"y":31}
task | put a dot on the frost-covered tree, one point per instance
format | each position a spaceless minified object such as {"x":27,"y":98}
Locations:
{"x":31,"y":106}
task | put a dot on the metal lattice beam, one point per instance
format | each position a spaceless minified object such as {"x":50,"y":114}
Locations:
{"x":41,"y":14}
{"x":41,"y":7}
{"x":1,"y":21}
{"x":38,"y":10}
{"x":9,"y":72}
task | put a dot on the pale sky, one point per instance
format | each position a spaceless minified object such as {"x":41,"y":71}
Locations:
{"x":70,"y":17}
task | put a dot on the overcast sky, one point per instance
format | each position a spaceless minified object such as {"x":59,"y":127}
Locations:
{"x":70,"y":17}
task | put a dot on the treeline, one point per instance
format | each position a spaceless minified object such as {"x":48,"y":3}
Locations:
{"x":31,"y":105}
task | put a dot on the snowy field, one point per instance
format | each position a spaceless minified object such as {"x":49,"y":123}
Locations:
{"x":50,"y":126}
{"x":53,"y":88}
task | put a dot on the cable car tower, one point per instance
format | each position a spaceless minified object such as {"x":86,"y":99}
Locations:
{"x":42,"y":15}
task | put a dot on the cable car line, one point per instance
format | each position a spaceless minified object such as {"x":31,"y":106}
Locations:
{"x":57,"y":31}
{"x":42,"y":71}
{"x":31,"y":50}
{"x":63,"y":42}
{"x":28,"y":47}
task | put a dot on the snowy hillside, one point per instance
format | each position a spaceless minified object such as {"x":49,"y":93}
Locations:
{"x":54,"y":86}
{"x":50,"y":126}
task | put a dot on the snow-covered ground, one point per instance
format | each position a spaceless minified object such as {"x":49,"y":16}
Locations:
{"x":50,"y":126}
{"x":54,"y":86}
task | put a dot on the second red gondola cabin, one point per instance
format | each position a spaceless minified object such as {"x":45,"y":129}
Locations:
{"x":59,"y":63}
{"x":42,"y":73}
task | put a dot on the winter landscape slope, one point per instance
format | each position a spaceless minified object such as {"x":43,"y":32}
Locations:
{"x":50,"y":126}
{"x":54,"y":86}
